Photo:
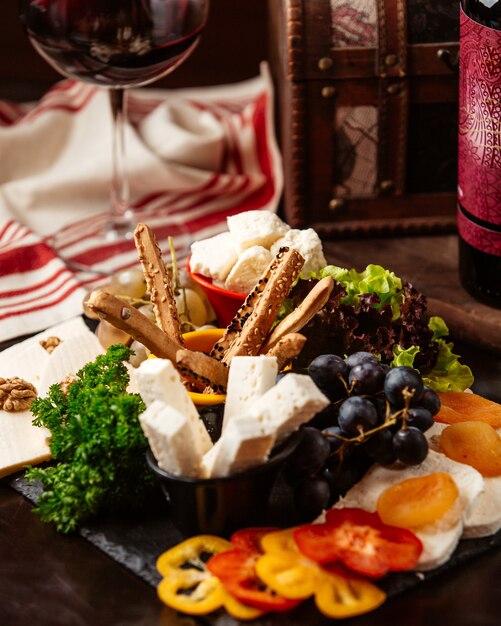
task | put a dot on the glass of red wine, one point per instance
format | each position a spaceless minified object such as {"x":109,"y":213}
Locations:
{"x":115,"y":44}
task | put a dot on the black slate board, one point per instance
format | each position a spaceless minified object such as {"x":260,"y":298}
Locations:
{"x":136,"y":541}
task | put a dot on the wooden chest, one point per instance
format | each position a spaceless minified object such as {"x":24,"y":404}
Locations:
{"x":367,"y":113}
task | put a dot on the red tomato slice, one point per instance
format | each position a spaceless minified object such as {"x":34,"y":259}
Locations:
{"x":236,"y":570}
{"x":361,"y":542}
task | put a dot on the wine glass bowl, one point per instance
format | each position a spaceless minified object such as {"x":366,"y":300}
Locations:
{"x":115,"y":44}
{"x":112,"y":43}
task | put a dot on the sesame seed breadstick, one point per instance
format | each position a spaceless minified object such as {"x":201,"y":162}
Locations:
{"x":277,"y":282}
{"x":158,"y":283}
{"x":202,"y":370}
{"x":286,"y":349}
{"x":308,"y":308}
{"x":127,"y":318}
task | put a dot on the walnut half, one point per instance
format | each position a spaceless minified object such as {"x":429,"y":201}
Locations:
{"x":50,"y":344}
{"x":16,"y":394}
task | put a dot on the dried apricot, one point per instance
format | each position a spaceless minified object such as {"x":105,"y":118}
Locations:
{"x":418,"y":501}
{"x":457,"y":406}
{"x":473,"y":443}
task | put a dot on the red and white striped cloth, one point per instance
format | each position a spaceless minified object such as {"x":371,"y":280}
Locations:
{"x":194,"y":157}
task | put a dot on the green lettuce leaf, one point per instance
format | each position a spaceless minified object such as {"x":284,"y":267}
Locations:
{"x":374,"y":279}
{"x":402,"y":356}
{"x":438,"y":326}
{"x":448,"y":374}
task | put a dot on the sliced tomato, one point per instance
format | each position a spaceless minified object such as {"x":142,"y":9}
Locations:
{"x":361,"y":542}
{"x":236,"y":569}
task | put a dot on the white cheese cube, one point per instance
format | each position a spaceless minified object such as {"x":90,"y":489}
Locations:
{"x":249,"y":378}
{"x":213,"y":257}
{"x":240,"y":447}
{"x":255,"y":228}
{"x":248,"y":269}
{"x":173,"y":438}
{"x":293,"y":401}
{"x":158,"y":379}
{"x":308,"y":244}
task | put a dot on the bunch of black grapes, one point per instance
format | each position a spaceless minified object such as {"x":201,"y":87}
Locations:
{"x":377,"y":414}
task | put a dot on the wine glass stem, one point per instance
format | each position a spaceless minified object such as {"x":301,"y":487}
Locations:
{"x":120,"y":223}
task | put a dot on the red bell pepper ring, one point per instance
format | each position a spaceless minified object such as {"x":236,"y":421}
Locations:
{"x":236,"y":570}
{"x":361,"y":541}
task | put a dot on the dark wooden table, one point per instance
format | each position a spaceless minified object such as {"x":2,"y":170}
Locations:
{"x":51,"y":580}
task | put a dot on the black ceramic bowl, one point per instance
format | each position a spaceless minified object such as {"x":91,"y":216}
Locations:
{"x":221,"y":505}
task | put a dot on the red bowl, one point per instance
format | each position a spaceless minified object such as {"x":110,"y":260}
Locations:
{"x":225,"y":303}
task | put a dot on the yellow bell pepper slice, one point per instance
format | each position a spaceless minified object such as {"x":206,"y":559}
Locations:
{"x":189,"y":587}
{"x":238,"y":610}
{"x":284,"y":569}
{"x":189,"y":553}
{"x":279,"y":541}
{"x":195,"y":596}
{"x":338,"y":594}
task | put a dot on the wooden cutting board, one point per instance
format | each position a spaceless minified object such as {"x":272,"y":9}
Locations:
{"x":430,"y":264}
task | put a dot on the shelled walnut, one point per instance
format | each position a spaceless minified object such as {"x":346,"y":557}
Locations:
{"x":50,"y":344}
{"x":66,"y":383}
{"x":16,"y":394}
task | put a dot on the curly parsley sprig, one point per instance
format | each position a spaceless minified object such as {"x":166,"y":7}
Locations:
{"x":98,"y":443}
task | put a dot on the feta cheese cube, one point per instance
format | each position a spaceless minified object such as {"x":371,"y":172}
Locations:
{"x":293,"y":401}
{"x":173,"y":439}
{"x":240,"y":447}
{"x":248,"y":269}
{"x":158,"y":379}
{"x":249,"y":378}
{"x":255,"y":228}
{"x":213,"y":257}
{"x":308,"y":244}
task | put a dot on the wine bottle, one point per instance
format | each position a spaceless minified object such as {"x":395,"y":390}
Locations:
{"x":479,"y":150}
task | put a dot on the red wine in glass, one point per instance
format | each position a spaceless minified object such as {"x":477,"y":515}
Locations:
{"x":115,"y":44}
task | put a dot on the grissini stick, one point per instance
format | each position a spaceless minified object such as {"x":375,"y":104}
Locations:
{"x":256,"y":321}
{"x":124,"y":316}
{"x":287,"y":348}
{"x":298,"y":319}
{"x":158,"y":283}
{"x":203,"y":371}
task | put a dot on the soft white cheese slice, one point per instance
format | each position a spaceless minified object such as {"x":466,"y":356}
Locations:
{"x":239,"y":448}
{"x":439,"y":539}
{"x":250,"y":377}
{"x":173,"y":438}
{"x":213,"y":257}
{"x":69,"y":357}
{"x":255,"y":228}
{"x":308,"y":244}
{"x":293,"y":401}
{"x":21,"y":443}
{"x":248,"y":269}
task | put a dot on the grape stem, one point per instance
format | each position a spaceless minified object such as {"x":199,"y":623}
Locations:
{"x":390,"y":420}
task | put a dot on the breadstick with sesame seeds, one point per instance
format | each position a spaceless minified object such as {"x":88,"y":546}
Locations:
{"x":277,"y":282}
{"x":124,"y":316}
{"x":309,"y":307}
{"x":202,"y":371}
{"x":286,"y":349}
{"x":158,"y":283}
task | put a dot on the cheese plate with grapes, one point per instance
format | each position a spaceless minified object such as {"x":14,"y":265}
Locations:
{"x":323,"y":450}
